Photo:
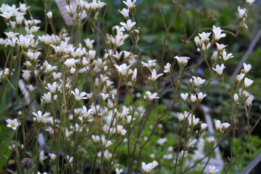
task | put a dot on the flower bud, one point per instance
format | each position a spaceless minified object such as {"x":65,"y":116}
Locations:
{"x":193,"y":98}
{"x":236,"y":98}
{"x":214,"y":58}
{"x":249,"y":101}
{"x":203,"y":126}
{"x":239,"y":77}
{"x":49,"y":15}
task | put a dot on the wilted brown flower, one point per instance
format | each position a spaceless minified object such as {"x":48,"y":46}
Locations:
{"x":27,"y":163}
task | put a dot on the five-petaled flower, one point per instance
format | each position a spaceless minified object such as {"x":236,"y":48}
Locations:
{"x":151,"y":96}
{"x":154,"y":75}
{"x":218,"y":33}
{"x":40,"y":117}
{"x":128,"y":25}
{"x":148,"y":167}
{"x":14,"y":124}
{"x":79,"y":96}
{"x":212,"y":169}
{"x":219,"y":69}
{"x":122,"y":69}
{"x":129,"y":3}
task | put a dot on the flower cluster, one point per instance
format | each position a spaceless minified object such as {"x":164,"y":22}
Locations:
{"x":79,"y":89}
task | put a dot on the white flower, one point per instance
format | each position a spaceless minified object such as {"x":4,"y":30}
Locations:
{"x":117,"y":55}
{"x":226,"y":56}
{"x":250,"y":2}
{"x":95,"y":138}
{"x":151,"y":64}
{"x":219,"y":69}
{"x":240,"y":77}
{"x":57,"y":75}
{"x":106,"y":143}
{"x":161,"y":141}
{"x":204,"y":37}
{"x":184,"y":96}
{"x":247,"y":67}
{"x":235,"y":98}
{"x":198,"y":41}
{"x":154,"y":75}
{"x":148,"y":167}
{"x":68,"y":8}
{"x":203,"y":126}
{"x":13,"y":123}
{"x":99,"y":4}
{"x":167,"y":156}
{"x":212,"y":169}
{"x":192,"y":120}
{"x":201,"y":96}
{"x":180,"y":116}
{"x":198,"y":81}
{"x":92,"y":54}
{"x":33,"y":55}
{"x":104,"y":96}
{"x":87,"y":113}
{"x":242,"y":13}
{"x":89,"y":43}
{"x":214,"y":56}
{"x":26,"y":74}
{"x":67,"y":134}
{"x":152,"y":155}
{"x":134,"y":75}
{"x":7,"y":15}
{"x":118,"y":41}
{"x":70,"y":159}
{"x":52,"y":156}
{"x":129,"y":118}
{"x":167,"y":68}
{"x":11,"y":34}
{"x":248,"y":82}
{"x":47,"y":97}
{"x":31,"y":88}
{"x":183,"y":153}
{"x":129,"y":3}
{"x":220,"y":47}
{"x":19,"y":19}
{"x":193,"y":98}
{"x":41,"y":156}
{"x":25,"y":42}
{"x":182,"y":60}
{"x":249,"y":101}
{"x":52,"y":87}
{"x":110,"y":104}
{"x":49,"y":15}
{"x":151,"y":96}
{"x":50,"y":130}
{"x":78,"y":96}
{"x":28,"y":64}
{"x":125,"y":12}
{"x":23,"y":7}
{"x":70,"y":63}
{"x":225,"y":125}
{"x":124,"y":112}
{"x":218,"y":124}
{"x":211,"y":139}
{"x":39,"y":117}
{"x":123,"y":69}
{"x":118,"y":171}
{"x":72,"y":70}
{"x":205,"y":47}
{"x":217,"y":33}
{"x":128,"y":25}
